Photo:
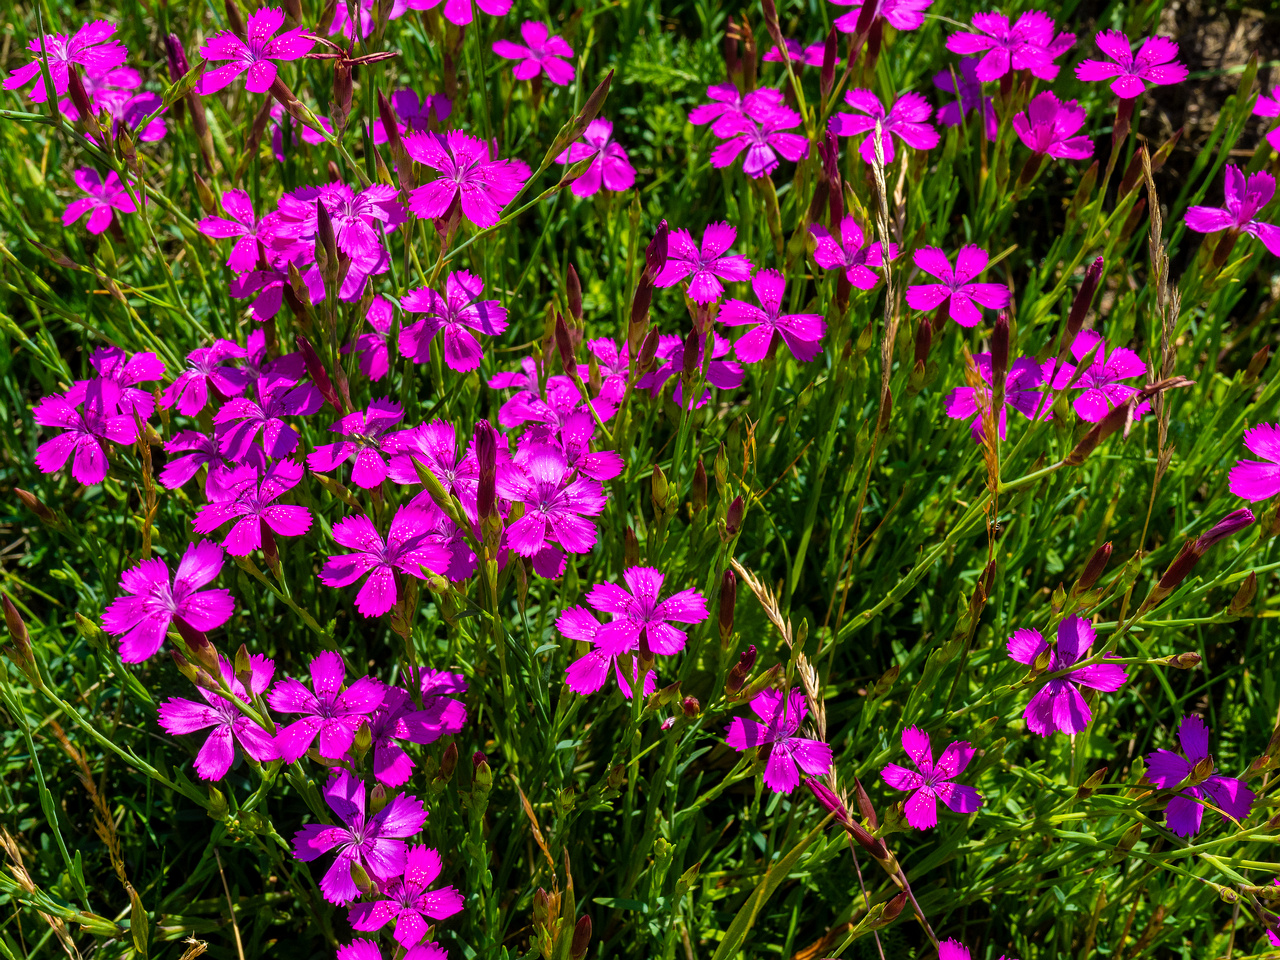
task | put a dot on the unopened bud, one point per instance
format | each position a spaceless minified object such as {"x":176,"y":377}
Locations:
{"x":325,"y":236}
{"x":319,"y":375}
{"x":733,"y":517}
{"x":617,"y":777}
{"x":36,"y":506}
{"x":177,"y":56}
{"x":1202,"y":770}
{"x":728,"y":600}
{"x":829,"y":800}
{"x":631,"y":548}
{"x":1000,"y":354}
{"x":655,"y":254}
{"x":1232,"y":523}
{"x":79,"y":97}
{"x":208,"y":202}
{"x":640,"y":305}
{"x":573,"y":293}
{"x":691,"y":707}
{"x":827,"y":74}
{"x":1184,"y":661}
{"x":648,"y":352}
{"x":234,"y":19}
{"x":924,"y":342}
{"x":894,"y":907}
{"x":698,"y":497}
{"x":1084,"y":297}
{"x":689,"y":356}
{"x":186,"y":667}
{"x":1093,"y":569}
{"x":13,"y":620}
{"x":1129,"y":839}
{"x":486,"y":440}
{"x":873,"y":845}
{"x":388,"y":117}
{"x":565,"y":348}
{"x":1256,"y":363}
{"x":1243,"y":599}
{"x":739,"y":672}
{"x":581,"y":939}
{"x":1095,"y":780}
{"x":864,"y":804}
{"x":377,"y":798}
{"x":243,"y":666}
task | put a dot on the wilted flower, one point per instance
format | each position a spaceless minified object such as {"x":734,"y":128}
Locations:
{"x":1059,"y":705}
{"x":781,"y":715}
{"x":931,"y":782}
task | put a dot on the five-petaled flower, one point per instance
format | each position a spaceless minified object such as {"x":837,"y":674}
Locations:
{"x":610,"y":166}
{"x":851,"y":253}
{"x":557,"y":504}
{"x":251,"y":497}
{"x":405,"y":548}
{"x":1100,"y":386}
{"x":244,"y":224}
{"x":1258,"y":479}
{"x":481,"y":186}
{"x":206,"y":371}
{"x":589,"y":672}
{"x":1028,"y":44}
{"x":1166,"y":770}
{"x":641,"y":620}
{"x":256,"y":55}
{"x":907,"y":120}
{"x":85,"y":431}
{"x":374,"y":843}
{"x":1129,"y":74}
{"x":456,"y":313}
{"x":958,"y":289}
{"x":1059,"y":705}
{"x":705,"y":267}
{"x":787,"y":754}
{"x":331,"y":713}
{"x":964,"y":83}
{"x":104,"y":196}
{"x":407,"y":899}
{"x":1049,"y":125}
{"x":931,"y":782}
{"x":542,"y":52}
{"x":1244,"y":199}
{"x":399,"y":719}
{"x":152,"y":601}
{"x":240,"y":421}
{"x":801,"y":332}
{"x":1022,"y":391}
{"x":760,"y":129}
{"x":362,"y":435}
{"x":91,"y":47}
{"x":899,"y":14}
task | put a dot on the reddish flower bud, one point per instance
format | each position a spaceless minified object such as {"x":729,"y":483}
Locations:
{"x":691,"y":707}
{"x":690,"y":355}
{"x":733,"y":516}
{"x":317,"y":371}
{"x":565,"y":348}
{"x":325,"y":236}
{"x":178,"y":66}
{"x":234,"y":20}
{"x":828,"y":799}
{"x":641,"y":301}
{"x":36,"y":506}
{"x":1000,"y":354}
{"x":742,"y":669}
{"x":827,"y":75}
{"x":448,"y":763}
{"x":698,"y":497}
{"x":1232,"y":523}
{"x":864,"y":804}
{"x":924,"y":342}
{"x":1093,"y":569}
{"x":1243,"y":599}
{"x":573,"y":293}
{"x":1084,"y":297}
{"x":486,"y":440}
{"x":79,"y":97}
{"x":631,"y":548}
{"x":648,"y":352}
{"x":388,"y":117}
{"x":342,"y":87}
{"x":728,"y":600}
{"x":894,"y":907}
{"x":1256,"y":363}
{"x":732,"y":64}
{"x":479,"y":758}
{"x":655,"y":255}
{"x":581,"y":939}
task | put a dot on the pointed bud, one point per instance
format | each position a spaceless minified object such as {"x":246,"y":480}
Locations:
{"x":377,"y":798}
{"x":581,"y":939}
{"x":178,"y":66}
{"x":864,"y":804}
{"x":477,"y":759}
{"x":1202,"y":770}
{"x":187,"y":668}
{"x":1243,"y":599}
{"x":1084,"y":297}
{"x":448,"y":763}
{"x":829,"y":801}
{"x":1231,"y":524}
{"x":342,"y":89}
{"x":1184,"y":661}
{"x":80,"y":98}
{"x":924,"y":342}
{"x":893,"y":908}
{"x":565,"y":348}
{"x":827,"y":75}
{"x":486,"y":441}
{"x":1095,"y":780}
{"x":325,"y":236}
{"x":733,"y":517}
{"x":872,"y":845}
{"x":388,"y":117}
{"x":689,"y":356}
{"x":592,"y":106}
{"x":1177,"y":571}
{"x":293,"y":13}
{"x":741,"y":670}
{"x":1000,"y":351}
{"x":208,"y":202}
{"x":640,"y":304}
{"x":243,"y":666}
{"x":775,"y":30}
{"x":573,"y":293}
{"x":17,"y":626}
{"x":659,"y":491}
{"x":728,"y":600}
{"x":1092,"y":569}
{"x":234,"y":20}
{"x":319,"y":375}
{"x":631,"y":548}
{"x":655,"y":254}
{"x":1256,"y":363}
{"x":36,"y":506}
{"x":648,"y":352}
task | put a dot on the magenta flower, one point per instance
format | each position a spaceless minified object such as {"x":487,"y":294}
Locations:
{"x":614,"y":363}
{"x":705,"y":268}
{"x":1244,"y":199}
{"x":1100,"y":384}
{"x":449,"y":714}
{"x":1269,"y":106}
{"x":288,"y":366}
{"x":1166,"y":770}
{"x":103,"y":197}
{"x":801,"y":332}
{"x":362,"y":433}
{"x":468,"y":177}
{"x":1029,"y":44}
{"x":255,"y":56}
{"x":456,"y":313}
{"x":931,"y":782}
{"x":1022,"y":391}
{"x":206,"y":371}
{"x":371,"y":348}
{"x":332,"y":713}
{"x":589,"y":672}
{"x":114,"y":365}
{"x":361,"y":949}
{"x":435,"y":446}
{"x":726,"y":107}
{"x":414,"y":113}
{"x":810,"y":56}
{"x":459,"y":11}
{"x":1154,"y":64}
{"x":252,"y":499}
{"x":1048,"y":126}
{"x":91,"y":47}
{"x":958,"y":288}
{"x":408,"y":900}
{"x":201,"y":450}
{"x":787,"y":754}
{"x":267,"y":287}
{"x":968,"y":88}
{"x":230,"y":726}
{"x":759,"y":129}
{"x":1256,"y":480}
{"x":907,"y":120}
{"x":1058,"y":705}
{"x":243,"y":224}
{"x":900,"y":14}
{"x":722,"y":374}
{"x":375,"y":843}
{"x":640,"y":618}
{"x":85,"y":432}
{"x":405,"y":549}
{"x":398,"y":719}
{"x":543,"y":53}
{"x":151,"y":602}
{"x":241,"y":420}
{"x":850,"y":253}
{"x":611,"y":166}
{"x":574,"y":440}
{"x":557,"y":504}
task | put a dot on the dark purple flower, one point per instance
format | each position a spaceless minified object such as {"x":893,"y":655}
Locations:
{"x":965,"y":84}
{"x":240,"y":421}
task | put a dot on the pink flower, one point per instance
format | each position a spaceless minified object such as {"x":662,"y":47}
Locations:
{"x":705,"y":268}
{"x":1166,"y":770}
{"x":900,"y":14}
{"x":414,"y":113}
{"x":456,"y":313}
{"x":1269,"y":106}
{"x":243,"y":224}
{"x":374,"y":843}
{"x":267,"y":287}
{"x":240,"y":421}
{"x":1100,"y":384}
{"x":288,"y":366}
{"x":1154,"y":64}
{"x":611,"y":166}
{"x":371,"y":348}
{"x":726,"y":107}
{"x":932,"y":782}
{"x":332,"y":713}
{"x":206,"y":371}
{"x":397,"y":719}
{"x":1029,"y":44}
{"x":1048,"y":126}
{"x":723,"y":374}
{"x":543,"y":53}
{"x":255,"y":56}
{"x":459,"y":11}
{"x":907,"y":120}
{"x":958,"y":286}
{"x":201,"y":450}
{"x":180,"y":717}
{"x":787,"y":753}
{"x":451,"y":713}
{"x":1058,"y":705}
{"x":850,"y":253}
{"x":589,"y":672}
{"x":407,"y":900}
{"x":562,"y":398}
{"x":298,"y":132}
{"x":1256,"y":480}
{"x":252,"y":499}
{"x":405,"y":549}
{"x":801,"y":332}
{"x":758,"y":129}
{"x":356,"y":217}
{"x":614,"y":363}
{"x":810,"y":56}
{"x":1244,"y":199}
{"x":124,"y":371}
{"x":970,"y":97}
{"x":361,"y":949}
{"x":363,"y":434}
{"x":640,"y":618}
{"x":151,"y":602}
{"x":574,"y":440}
{"x":91,"y":47}
{"x":1022,"y":391}
{"x":85,"y":432}
{"x":435,"y":446}
{"x":103,"y":197}
{"x":468,"y":177}
{"x":557,"y":504}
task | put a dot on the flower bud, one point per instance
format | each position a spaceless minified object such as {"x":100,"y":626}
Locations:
{"x":13,"y":620}
{"x":388,"y":117}
{"x":728,"y":600}
{"x":325,"y":237}
{"x":36,"y":506}
{"x":864,"y":804}
{"x":691,"y":707}
{"x":924,"y":342}
{"x":1243,"y":599}
{"x":1232,"y":523}
{"x":732,"y":63}
{"x":178,"y":65}
{"x":486,"y":441}
{"x":243,"y":666}
{"x":1084,"y":297}
{"x":187,"y":668}
{"x":631,"y":548}
{"x":293,"y":13}
{"x":377,"y":797}
{"x":448,"y":763}
{"x":699,"y":495}
{"x":827,"y":74}
{"x":829,"y":800}
{"x":764,"y":681}
{"x":589,"y":109}
{"x":342,"y":90}
{"x":573,"y":293}
{"x":208,"y":202}
{"x":893,"y":908}
{"x":617,"y":777}
{"x":1202,"y":770}
{"x":655,"y":254}
{"x":1092,"y":569}
{"x":1256,"y":363}
{"x":660,"y":491}
{"x":581,"y":939}
{"x":733,"y":517}
{"x":1095,"y":780}
{"x":316,"y":368}
{"x":739,"y":672}
{"x":689,"y":359}
{"x":1183,"y":661}
{"x":640,"y":304}
{"x":234,"y":19}
{"x":648,"y":353}
{"x":477,"y":759}
{"x":873,"y":845}
{"x":1129,"y":839}
{"x":1000,"y":355}
{"x":565,"y":348}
